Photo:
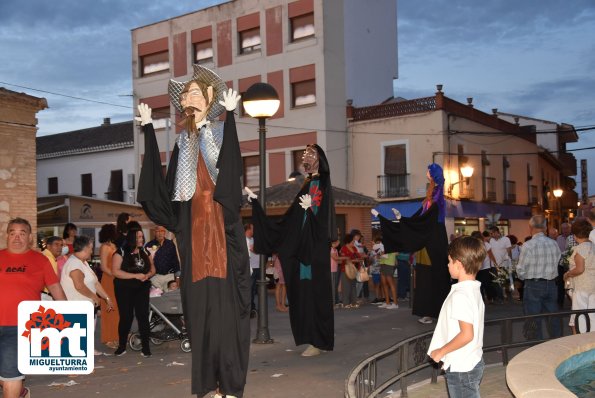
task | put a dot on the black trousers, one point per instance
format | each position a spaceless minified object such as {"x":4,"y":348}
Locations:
{"x":132,"y":297}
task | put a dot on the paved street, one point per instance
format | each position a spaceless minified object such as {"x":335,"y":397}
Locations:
{"x":275,"y":370}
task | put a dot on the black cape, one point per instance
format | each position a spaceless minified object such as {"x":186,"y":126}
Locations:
{"x":216,"y":310}
{"x":304,"y":239}
{"x":414,"y":233}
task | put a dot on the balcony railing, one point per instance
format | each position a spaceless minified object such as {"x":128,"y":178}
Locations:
{"x":115,"y":195}
{"x":490,"y":189}
{"x":466,"y":190}
{"x":510,"y":191}
{"x":393,"y":186}
{"x":532,"y":195}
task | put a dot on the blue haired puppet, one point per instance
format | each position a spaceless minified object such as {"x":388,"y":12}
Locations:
{"x":425,"y":233}
{"x":435,"y":193}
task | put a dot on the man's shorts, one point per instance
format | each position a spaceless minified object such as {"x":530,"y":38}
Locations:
{"x":387,"y":270}
{"x":9,"y":369}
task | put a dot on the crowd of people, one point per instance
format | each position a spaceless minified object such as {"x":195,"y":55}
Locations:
{"x":118,"y":290}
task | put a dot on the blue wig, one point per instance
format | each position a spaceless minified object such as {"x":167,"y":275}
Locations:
{"x":436,"y":173}
{"x":438,"y":193}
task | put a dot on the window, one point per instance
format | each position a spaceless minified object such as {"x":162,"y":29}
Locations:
{"x":252,"y":171}
{"x":395,"y":181}
{"x":160,"y":117}
{"x":86,"y":185}
{"x":130,"y":181}
{"x":395,"y":159}
{"x":203,"y":52}
{"x":154,"y":63}
{"x":302,"y":27}
{"x":52,"y":185}
{"x":115,"y":191}
{"x":303,"y":93}
{"x":250,"y":40}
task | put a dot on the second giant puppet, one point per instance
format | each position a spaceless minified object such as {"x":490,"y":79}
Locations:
{"x":424,"y":232}
{"x":199,"y":201}
{"x":302,"y":237}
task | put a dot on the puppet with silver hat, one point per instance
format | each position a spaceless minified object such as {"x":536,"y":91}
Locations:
{"x":199,"y":200}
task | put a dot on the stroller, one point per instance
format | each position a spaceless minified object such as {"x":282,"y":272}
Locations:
{"x":166,"y":322}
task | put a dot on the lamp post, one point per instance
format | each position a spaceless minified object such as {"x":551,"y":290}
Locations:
{"x":558,"y":194}
{"x":466,"y":172}
{"x":261,"y":101}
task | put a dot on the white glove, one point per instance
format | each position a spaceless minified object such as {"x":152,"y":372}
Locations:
{"x":145,"y":114}
{"x":374,"y":212}
{"x":230,"y":99}
{"x":397,"y":213}
{"x":305,"y":201}
{"x":251,"y":195}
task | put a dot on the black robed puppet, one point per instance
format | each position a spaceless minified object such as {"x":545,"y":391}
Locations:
{"x":425,"y":233}
{"x":199,"y":201}
{"x":302,"y":238}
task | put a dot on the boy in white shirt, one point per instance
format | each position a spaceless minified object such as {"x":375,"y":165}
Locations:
{"x":458,"y":338}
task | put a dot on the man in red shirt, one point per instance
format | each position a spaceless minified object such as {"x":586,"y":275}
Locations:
{"x":23,"y":275}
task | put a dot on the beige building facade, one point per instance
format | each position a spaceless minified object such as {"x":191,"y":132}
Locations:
{"x":392,"y":144}
{"x":18,"y":185}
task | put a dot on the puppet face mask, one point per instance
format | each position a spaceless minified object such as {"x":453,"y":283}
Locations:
{"x":194,"y":102}
{"x":310,"y":160}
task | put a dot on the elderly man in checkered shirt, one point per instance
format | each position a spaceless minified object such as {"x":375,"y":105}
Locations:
{"x":538,"y":267}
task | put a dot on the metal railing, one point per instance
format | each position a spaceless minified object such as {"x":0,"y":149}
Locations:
{"x":510,"y":192}
{"x":383,"y":370}
{"x":393,"y":186}
{"x":490,"y":189}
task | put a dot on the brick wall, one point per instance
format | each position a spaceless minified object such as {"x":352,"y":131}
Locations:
{"x":18,"y":186}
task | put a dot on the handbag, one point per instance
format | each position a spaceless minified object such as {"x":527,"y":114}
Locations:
{"x":350,"y":270}
{"x":362,"y":274}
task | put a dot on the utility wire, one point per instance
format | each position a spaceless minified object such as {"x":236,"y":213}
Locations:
{"x":271,"y":125}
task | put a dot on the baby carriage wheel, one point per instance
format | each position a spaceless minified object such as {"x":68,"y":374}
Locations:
{"x":135,"y":342}
{"x":156,"y":341}
{"x":185,"y":345}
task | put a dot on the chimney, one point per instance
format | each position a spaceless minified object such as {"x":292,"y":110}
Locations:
{"x":470,"y":101}
{"x":106,"y":121}
{"x":495,"y":111}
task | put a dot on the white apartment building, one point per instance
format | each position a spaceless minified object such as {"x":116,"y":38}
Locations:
{"x":318,"y":54}
{"x":95,"y":162}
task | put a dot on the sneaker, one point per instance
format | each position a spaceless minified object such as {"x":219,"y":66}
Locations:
{"x":146,"y":354}
{"x":311,"y":351}
{"x":377,"y":301}
{"x":120,"y":351}
{"x":392,"y":306}
{"x":383,"y":305}
{"x":425,"y":320}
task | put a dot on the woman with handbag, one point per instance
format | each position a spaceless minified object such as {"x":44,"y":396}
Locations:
{"x":348,"y":276}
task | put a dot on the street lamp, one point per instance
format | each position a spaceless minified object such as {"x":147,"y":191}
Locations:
{"x":466,"y":172}
{"x":558,"y":194}
{"x":261,"y":101}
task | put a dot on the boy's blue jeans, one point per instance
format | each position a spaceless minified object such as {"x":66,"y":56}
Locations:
{"x":465,"y":384}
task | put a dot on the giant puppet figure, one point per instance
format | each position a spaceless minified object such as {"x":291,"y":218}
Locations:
{"x":302,"y":237}
{"x":199,"y":201}
{"x":424,"y":232}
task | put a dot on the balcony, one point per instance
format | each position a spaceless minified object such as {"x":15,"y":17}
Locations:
{"x":509,"y":192}
{"x":532,"y":195}
{"x":115,"y":195}
{"x":490,"y":189}
{"x":466,"y":190}
{"x":392,"y":186}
